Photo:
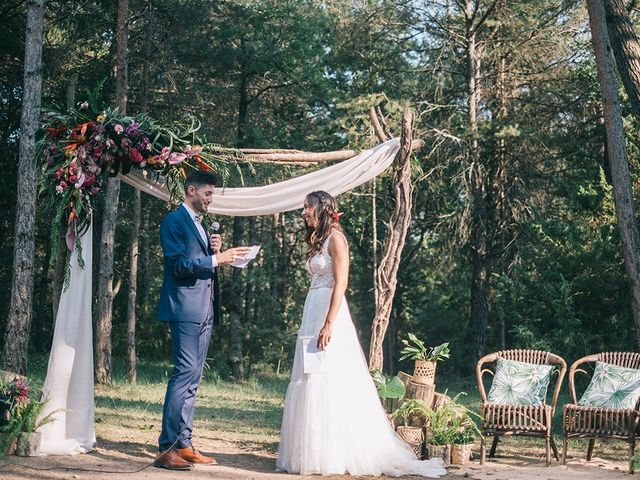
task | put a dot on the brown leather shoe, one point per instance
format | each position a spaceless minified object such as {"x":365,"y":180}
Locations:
{"x":170,"y":460}
{"x":190,"y":454}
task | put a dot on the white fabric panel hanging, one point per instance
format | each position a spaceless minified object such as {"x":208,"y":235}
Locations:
{"x":69,"y":382}
{"x":288,"y":194}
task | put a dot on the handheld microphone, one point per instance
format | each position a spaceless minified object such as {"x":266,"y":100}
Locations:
{"x":215,"y":226}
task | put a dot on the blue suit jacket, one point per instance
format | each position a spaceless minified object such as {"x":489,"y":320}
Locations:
{"x":188,"y":279}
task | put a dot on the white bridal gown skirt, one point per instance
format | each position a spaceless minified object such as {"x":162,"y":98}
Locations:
{"x":333,"y":421}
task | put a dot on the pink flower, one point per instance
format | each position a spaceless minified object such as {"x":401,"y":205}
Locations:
{"x":61,"y":186}
{"x":193,"y":151}
{"x":95,"y":190}
{"x":119,"y":129}
{"x":80,"y":181}
{"x":176,"y":158}
{"x":73,"y":179}
{"x":84,"y":105}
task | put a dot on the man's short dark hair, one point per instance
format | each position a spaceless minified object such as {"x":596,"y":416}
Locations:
{"x":199,"y":178}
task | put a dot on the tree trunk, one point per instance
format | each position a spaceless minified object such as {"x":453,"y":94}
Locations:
{"x":394,"y":243}
{"x":109,"y":221}
{"x":133,"y":283}
{"x":234,"y":307}
{"x":626,"y":49}
{"x":617,"y":152}
{"x":18,"y":325}
{"x":479,"y":315}
{"x":135,"y":227}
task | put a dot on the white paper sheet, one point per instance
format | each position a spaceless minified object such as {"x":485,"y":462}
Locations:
{"x":243,"y":262}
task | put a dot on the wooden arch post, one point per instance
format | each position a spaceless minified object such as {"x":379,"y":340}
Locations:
{"x":397,"y":230}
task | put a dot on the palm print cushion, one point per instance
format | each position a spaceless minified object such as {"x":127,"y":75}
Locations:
{"x":519,"y":383}
{"x":612,"y":387}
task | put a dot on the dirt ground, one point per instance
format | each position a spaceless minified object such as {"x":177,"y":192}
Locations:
{"x":112,"y":460}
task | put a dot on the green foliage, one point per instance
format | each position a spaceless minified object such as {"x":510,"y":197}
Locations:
{"x":411,"y":412}
{"x":452,"y":422}
{"x":303,"y":75}
{"x":387,"y":386}
{"x":415,"y":349}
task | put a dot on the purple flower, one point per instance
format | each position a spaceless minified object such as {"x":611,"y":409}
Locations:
{"x":133,"y":130}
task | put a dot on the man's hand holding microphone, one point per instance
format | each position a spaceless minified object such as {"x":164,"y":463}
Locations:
{"x":230,"y":254}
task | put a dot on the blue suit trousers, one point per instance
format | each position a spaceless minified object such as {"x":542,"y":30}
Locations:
{"x":190,"y":342}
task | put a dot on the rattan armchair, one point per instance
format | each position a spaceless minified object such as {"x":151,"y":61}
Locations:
{"x":524,"y":420}
{"x":594,"y":422}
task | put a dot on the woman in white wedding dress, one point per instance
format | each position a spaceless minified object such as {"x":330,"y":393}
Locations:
{"x":333,"y":420}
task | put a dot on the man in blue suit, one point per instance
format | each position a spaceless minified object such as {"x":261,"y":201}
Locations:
{"x":190,"y":302}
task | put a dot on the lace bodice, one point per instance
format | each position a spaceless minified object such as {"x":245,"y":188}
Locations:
{"x":320,"y":266}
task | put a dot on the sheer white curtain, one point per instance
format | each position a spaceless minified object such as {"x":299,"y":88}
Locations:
{"x":69,"y":382}
{"x":288,"y":194}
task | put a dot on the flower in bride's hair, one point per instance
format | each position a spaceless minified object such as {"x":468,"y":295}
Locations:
{"x":335,"y":216}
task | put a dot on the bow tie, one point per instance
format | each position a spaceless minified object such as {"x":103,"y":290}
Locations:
{"x":198,"y":218}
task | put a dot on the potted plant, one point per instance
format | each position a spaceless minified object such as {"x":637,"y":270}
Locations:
{"x":28,"y":440}
{"x":390,"y":389}
{"x":461,"y":444}
{"x":425,"y":358}
{"x":451,"y":424}
{"x":411,"y":416}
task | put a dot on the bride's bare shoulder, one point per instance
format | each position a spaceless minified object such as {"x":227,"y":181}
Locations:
{"x":338,"y":241}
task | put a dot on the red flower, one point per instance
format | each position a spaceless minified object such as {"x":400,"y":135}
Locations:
{"x":135,"y":156}
{"x":335,"y":216}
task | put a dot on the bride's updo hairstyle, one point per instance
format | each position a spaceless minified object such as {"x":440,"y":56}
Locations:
{"x":325,"y":212}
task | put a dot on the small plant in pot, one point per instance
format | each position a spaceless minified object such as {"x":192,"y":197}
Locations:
{"x":410,"y":419}
{"x":28,"y":441}
{"x":425,"y":358}
{"x":461,"y":445}
{"x":390,"y":389}
{"x":451,"y":424}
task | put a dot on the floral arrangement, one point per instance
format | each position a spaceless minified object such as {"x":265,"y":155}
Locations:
{"x":13,"y":393}
{"x":82,"y":148}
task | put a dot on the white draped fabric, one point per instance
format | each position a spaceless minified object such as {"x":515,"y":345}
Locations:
{"x":69,"y":382}
{"x":288,"y":194}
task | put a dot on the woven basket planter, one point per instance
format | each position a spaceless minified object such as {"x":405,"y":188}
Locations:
{"x":414,"y":436}
{"x":440,"y":451}
{"x":424,"y":372}
{"x":461,"y":454}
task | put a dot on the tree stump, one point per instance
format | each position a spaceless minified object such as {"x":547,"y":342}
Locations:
{"x":421,"y":392}
{"x":405,"y":377}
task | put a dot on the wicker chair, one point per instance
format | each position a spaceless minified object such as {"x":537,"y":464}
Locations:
{"x":525,"y":420}
{"x":593,"y":422}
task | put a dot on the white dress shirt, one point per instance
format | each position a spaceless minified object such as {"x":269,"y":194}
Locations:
{"x":200,"y":228}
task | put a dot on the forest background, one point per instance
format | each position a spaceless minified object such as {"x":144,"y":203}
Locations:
{"x":513,"y":241}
